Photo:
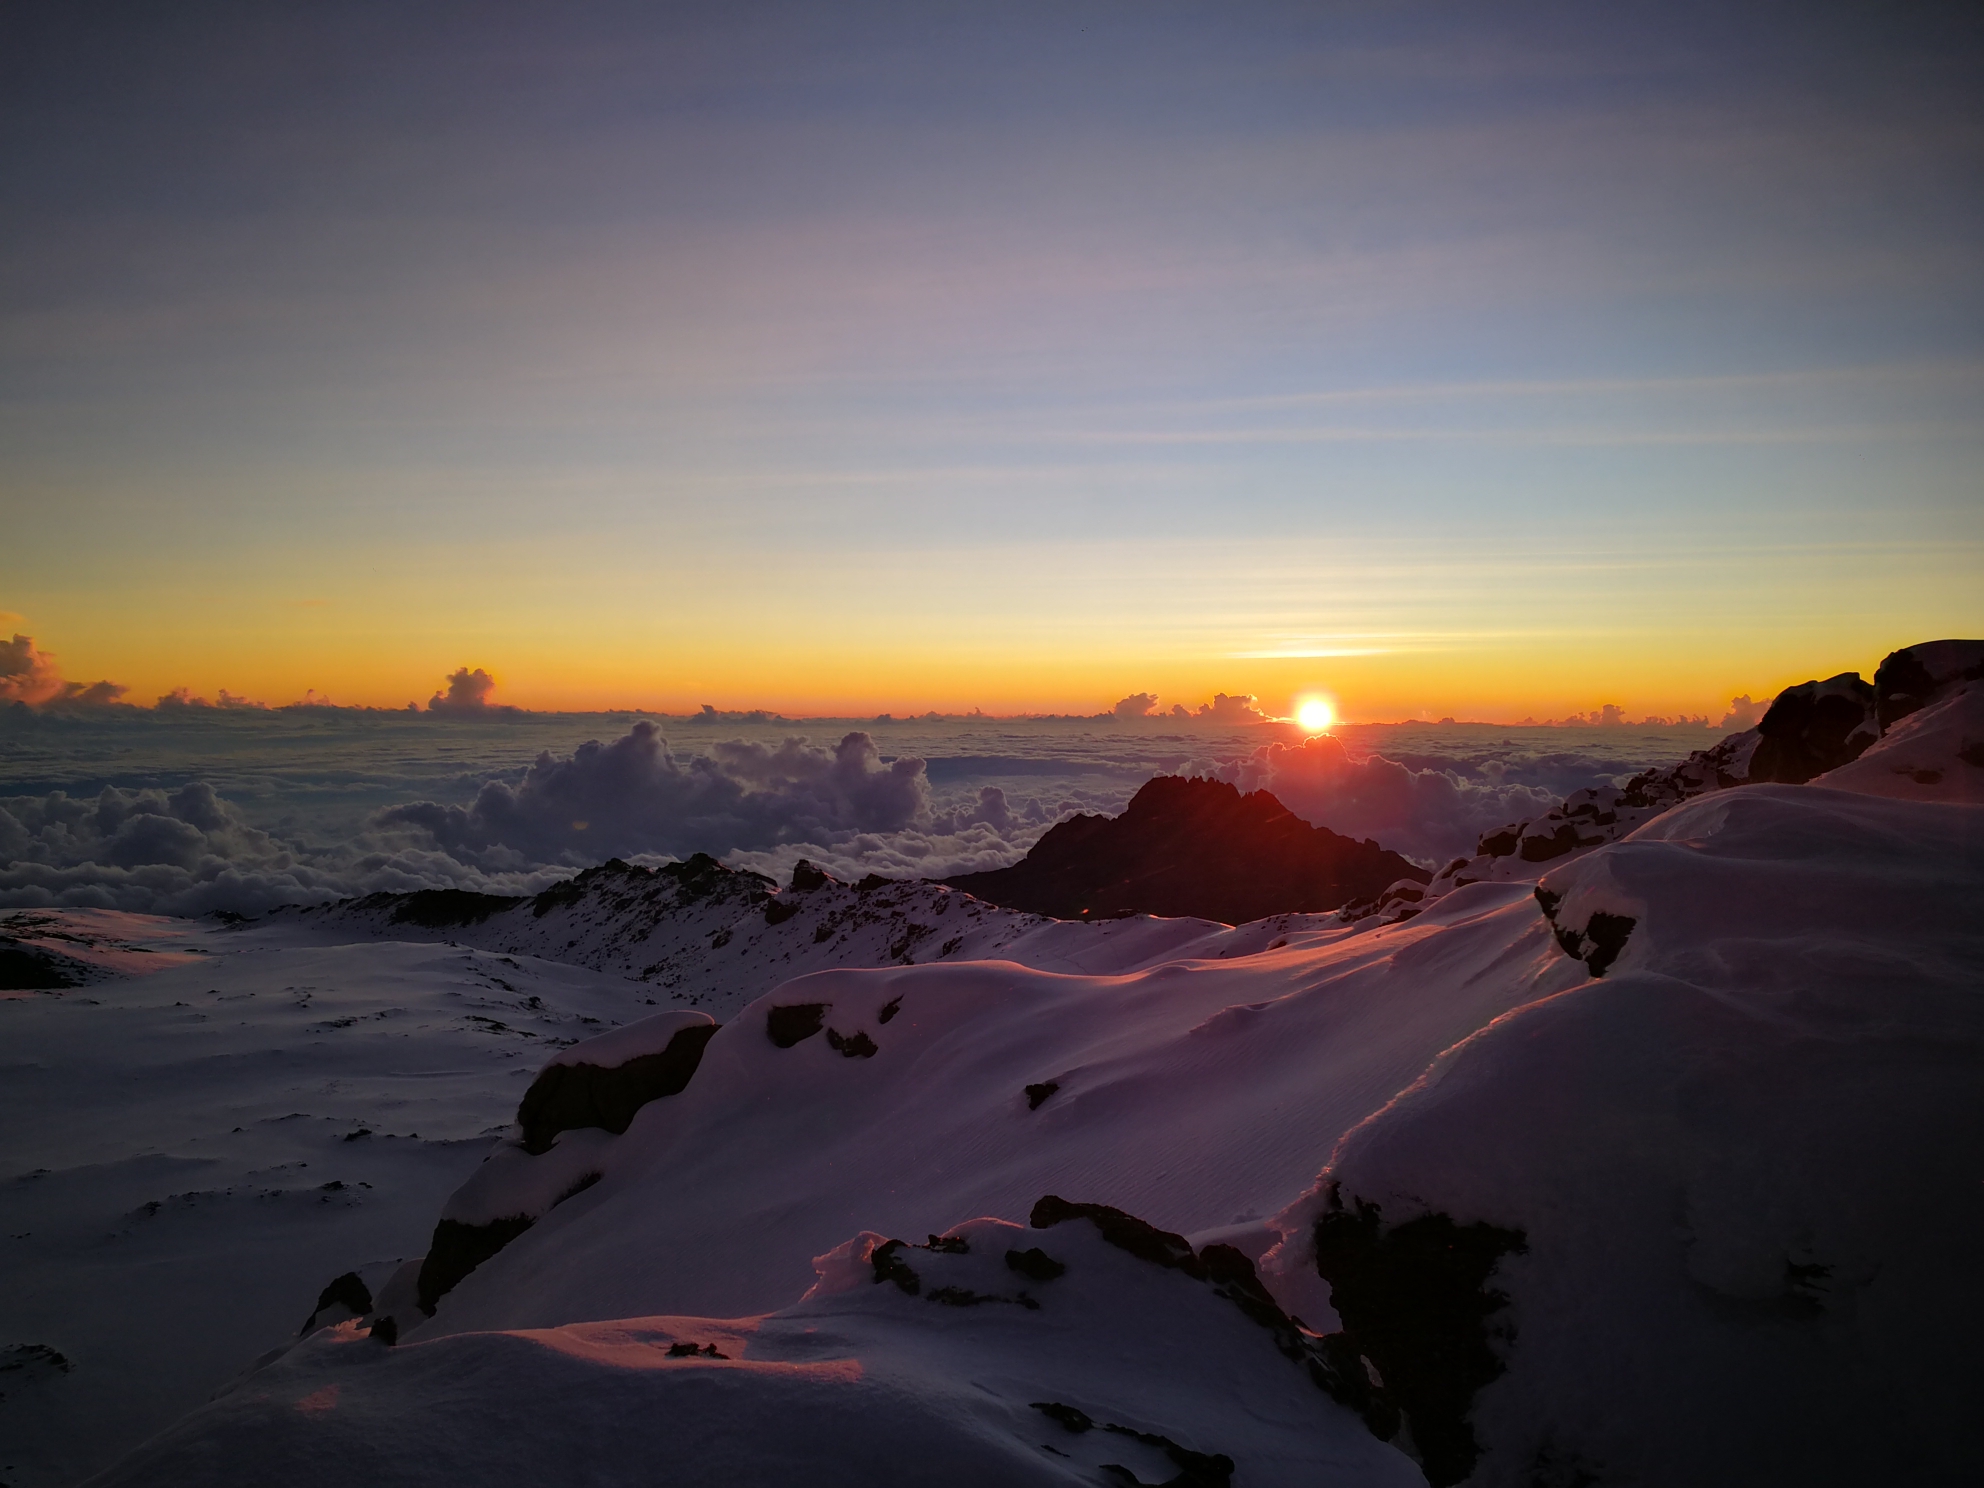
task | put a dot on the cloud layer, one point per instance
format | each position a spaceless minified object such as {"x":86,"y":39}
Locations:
{"x":262,"y":814}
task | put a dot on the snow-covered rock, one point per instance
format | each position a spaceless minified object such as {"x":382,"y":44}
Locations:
{"x":943,"y":1362}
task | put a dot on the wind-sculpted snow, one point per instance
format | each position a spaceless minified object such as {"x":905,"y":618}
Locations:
{"x":1743,"y":1162}
{"x":1720,"y":1194}
{"x":1113,"y":1371}
{"x":208,"y":1126}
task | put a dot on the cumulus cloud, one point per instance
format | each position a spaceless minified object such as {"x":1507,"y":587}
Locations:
{"x":1136,"y":705}
{"x":317,"y":831}
{"x":188,"y":852}
{"x":182,"y":698}
{"x":1744,"y":714}
{"x":30,"y":676}
{"x":635,"y":795}
{"x":467,"y":695}
{"x":1430,"y":810}
{"x":1224,"y":709}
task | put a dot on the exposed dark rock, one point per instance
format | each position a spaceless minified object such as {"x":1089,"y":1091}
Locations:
{"x":34,"y":1358}
{"x":1191,"y":847}
{"x":556,"y":897}
{"x":948,"y":1245}
{"x":1415,"y":1300}
{"x":362,"y":1132}
{"x":1605,"y":936}
{"x":1036,"y":1095}
{"x":1915,"y":676}
{"x":786,"y":1026}
{"x":951,"y":1296}
{"x":1196,"y":1469}
{"x":458,"y":1249}
{"x":1035,"y":1264}
{"x":1814,"y":727}
{"x":1065,"y":1415}
{"x":23,"y":970}
{"x":778,"y":911}
{"x":1539,"y":846}
{"x":568,"y":1096}
{"x":349,"y":1291}
{"x":695,"y":1351}
{"x":872,"y":882}
{"x":386,"y":1330}
{"x":1336,"y":1370}
{"x":856,"y":1046}
{"x":1141,"y":1239}
{"x":436,"y":909}
{"x":890,"y":1266}
{"x":889,"y":1009}
{"x":1598,"y":944}
{"x":806,"y":878}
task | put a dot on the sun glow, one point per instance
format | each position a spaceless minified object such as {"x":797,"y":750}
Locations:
{"x":1315,"y":715}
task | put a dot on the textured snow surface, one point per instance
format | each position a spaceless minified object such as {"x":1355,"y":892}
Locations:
{"x":1722,"y":1075}
{"x":176,"y":1182}
{"x":859,"y":1383}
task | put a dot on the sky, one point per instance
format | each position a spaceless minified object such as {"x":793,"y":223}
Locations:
{"x":1446,"y":359}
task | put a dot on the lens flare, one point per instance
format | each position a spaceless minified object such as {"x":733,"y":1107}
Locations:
{"x":1315,"y":715}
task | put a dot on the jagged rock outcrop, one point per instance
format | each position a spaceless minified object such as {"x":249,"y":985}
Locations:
{"x":1915,"y":676}
{"x":1191,"y":847}
{"x":1809,"y":731}
{"x":1812,"y":728}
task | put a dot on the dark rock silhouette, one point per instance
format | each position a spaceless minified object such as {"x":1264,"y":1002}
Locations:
{"x":1416,"y":1300}
{"x":566,"y":1096}
{"x":1812,"y":728}
{"x":1191,"y":847}
{"x":1915,"y":676}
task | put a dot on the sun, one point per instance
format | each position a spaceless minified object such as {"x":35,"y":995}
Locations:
{"x":1315,"y":715}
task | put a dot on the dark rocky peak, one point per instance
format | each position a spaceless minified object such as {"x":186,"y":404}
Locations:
{"x":1812,"y":728}
{"x":1915,"y":676}
{"x":806,"y":877}
{"x":1191,"y":847}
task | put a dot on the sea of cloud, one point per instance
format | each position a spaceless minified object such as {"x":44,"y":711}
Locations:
{"x":193,"y":810}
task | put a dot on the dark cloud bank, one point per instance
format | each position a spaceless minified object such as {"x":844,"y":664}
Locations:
{"x":760,"y":803}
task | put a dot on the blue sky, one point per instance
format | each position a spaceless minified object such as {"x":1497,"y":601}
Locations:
{"x":851,"y":357}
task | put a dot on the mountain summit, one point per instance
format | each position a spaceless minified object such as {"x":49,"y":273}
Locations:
{"x":1191,"y":847}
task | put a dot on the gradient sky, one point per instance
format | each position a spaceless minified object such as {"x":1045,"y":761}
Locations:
{"x":1483,"y":360}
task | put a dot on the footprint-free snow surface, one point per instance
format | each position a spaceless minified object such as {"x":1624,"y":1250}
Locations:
{"x":1659,"y":1166}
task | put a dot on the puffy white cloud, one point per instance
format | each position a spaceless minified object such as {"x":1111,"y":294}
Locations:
{"x":1224,"y":709}
{"x":319,"y":830}
{"x":467,"y":695}
{"x":1744,"y":714}
{"x":1431,"y":810}
{"x":1136,"y":705}
{"x":30,"y":676}
{"x":635,"y":795}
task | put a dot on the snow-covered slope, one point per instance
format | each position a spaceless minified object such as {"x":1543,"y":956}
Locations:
{"x":1661,"y":1167}
{"x":1659,"y":1170}
{"x":190,"y":1155}
{"x":699,"y":935}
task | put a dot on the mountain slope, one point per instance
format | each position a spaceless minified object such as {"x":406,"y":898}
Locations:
{"x":1191,"y":847}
